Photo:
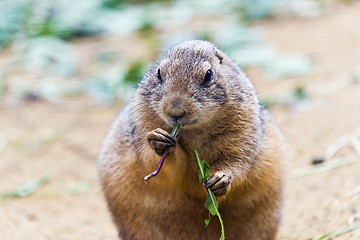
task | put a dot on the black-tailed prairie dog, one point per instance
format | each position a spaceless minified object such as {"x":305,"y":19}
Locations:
{"x":198,"y":86}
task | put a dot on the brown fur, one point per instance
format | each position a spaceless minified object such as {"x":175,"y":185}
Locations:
{"x":224,"y":121}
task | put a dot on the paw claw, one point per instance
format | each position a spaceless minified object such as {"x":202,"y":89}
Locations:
{"x":159,"y":140}
{"x":219,"y":183}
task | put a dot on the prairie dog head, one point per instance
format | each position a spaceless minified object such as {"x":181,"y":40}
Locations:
{"x":190,"y":85}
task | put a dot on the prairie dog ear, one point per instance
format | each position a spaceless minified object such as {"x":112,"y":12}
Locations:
{"x":220,"y":55}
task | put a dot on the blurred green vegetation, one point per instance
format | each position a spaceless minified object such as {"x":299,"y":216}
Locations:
{"x":28,"y":188}
{"x":121,"y":3}
{"x":256,"y":9}
{"x":135,"y":72}
{"x":40,"y":32}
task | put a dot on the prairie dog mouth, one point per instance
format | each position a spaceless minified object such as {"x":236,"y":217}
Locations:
{"x":182,"y":122}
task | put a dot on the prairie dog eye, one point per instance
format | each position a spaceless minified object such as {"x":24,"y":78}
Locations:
{"x":208,"y":77}
{"x":158,"y":75}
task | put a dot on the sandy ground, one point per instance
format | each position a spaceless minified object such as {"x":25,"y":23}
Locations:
{"x":63,"y":139}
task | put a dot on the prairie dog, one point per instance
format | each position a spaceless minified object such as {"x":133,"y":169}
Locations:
{"x":198,"y":86}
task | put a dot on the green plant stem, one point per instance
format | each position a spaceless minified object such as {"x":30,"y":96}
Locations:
{"x":339,"y":232}
{"x":196,"y":154}
{"x":211,"y":194}
{"x":217,"y":214}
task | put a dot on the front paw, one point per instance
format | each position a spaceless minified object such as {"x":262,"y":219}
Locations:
{"x":219,"y":183}
{"x":160,"y":140}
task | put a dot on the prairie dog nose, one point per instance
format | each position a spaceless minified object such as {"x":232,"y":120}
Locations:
{"x":175,"y":108}
{"x":176,"y":112}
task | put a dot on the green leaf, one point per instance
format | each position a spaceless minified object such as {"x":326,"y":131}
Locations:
{"x":200,"y":166}
{"x":200,"y":175}
{"x":175,"y":130}
{"x":207,"y":221}
{"x":203,"y":168}
{"x":206,"y":165}
{"x":206,"y":171}
{"x":211,"y":203}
